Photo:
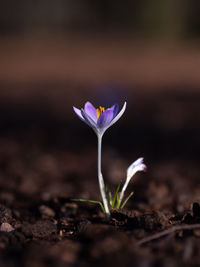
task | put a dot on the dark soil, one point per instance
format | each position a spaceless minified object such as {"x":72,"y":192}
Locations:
{"x":45,"y":162}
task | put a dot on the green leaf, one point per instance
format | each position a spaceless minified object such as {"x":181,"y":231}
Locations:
{"x":90,"y":201}
{"x":125,"y":201}
{"x":118,"y":204}
{"x":110,"y":198}
{"x":116,"y":195}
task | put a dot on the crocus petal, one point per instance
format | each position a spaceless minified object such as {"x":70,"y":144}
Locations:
{"x":78,"y":112}
{"x":118,"y":116}
{"x":136,"y":166}
{"x":90,"y":110}
{"x":105,"y":118}
{"x":88,"y":120}
{"x":115,"y":109}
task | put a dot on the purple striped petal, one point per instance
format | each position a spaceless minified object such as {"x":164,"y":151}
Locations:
{"x":90,"y":110}
{"x":105,"y":118}
{"x":115,"y":109}
{"x":88,"y":120}
{"x":78,"y":112}
{"x":118,"y":116}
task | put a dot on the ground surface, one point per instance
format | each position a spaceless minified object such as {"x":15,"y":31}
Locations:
{"x":45,"y":161}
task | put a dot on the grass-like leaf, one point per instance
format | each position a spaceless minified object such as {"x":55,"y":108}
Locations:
{"x":118,"y":204}
{"x":90,"y":201}
{"x":125,"y":201}
{"x":116,"y":196}
{"x":110,"y":198}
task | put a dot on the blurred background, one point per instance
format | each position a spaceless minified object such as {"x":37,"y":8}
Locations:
{"x":56,"y":54}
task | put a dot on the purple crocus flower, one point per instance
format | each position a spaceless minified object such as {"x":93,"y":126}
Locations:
{"x":99,"y":119}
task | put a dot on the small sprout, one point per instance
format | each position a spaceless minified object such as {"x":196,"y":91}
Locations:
{"x":100,"y":120}
{"x":136,"y":166}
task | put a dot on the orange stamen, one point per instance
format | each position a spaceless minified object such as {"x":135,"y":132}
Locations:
{"x":100,"y":110}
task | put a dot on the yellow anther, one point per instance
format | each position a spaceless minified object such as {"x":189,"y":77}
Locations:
{"x":99,"y":111}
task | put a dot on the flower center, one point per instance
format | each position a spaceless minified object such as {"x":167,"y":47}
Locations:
{"x":99,"y":111}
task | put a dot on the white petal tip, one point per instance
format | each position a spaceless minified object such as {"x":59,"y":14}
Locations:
{"x":136,"y":166}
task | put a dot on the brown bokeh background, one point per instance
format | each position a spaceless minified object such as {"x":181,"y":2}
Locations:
{"x":58,"y":54}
